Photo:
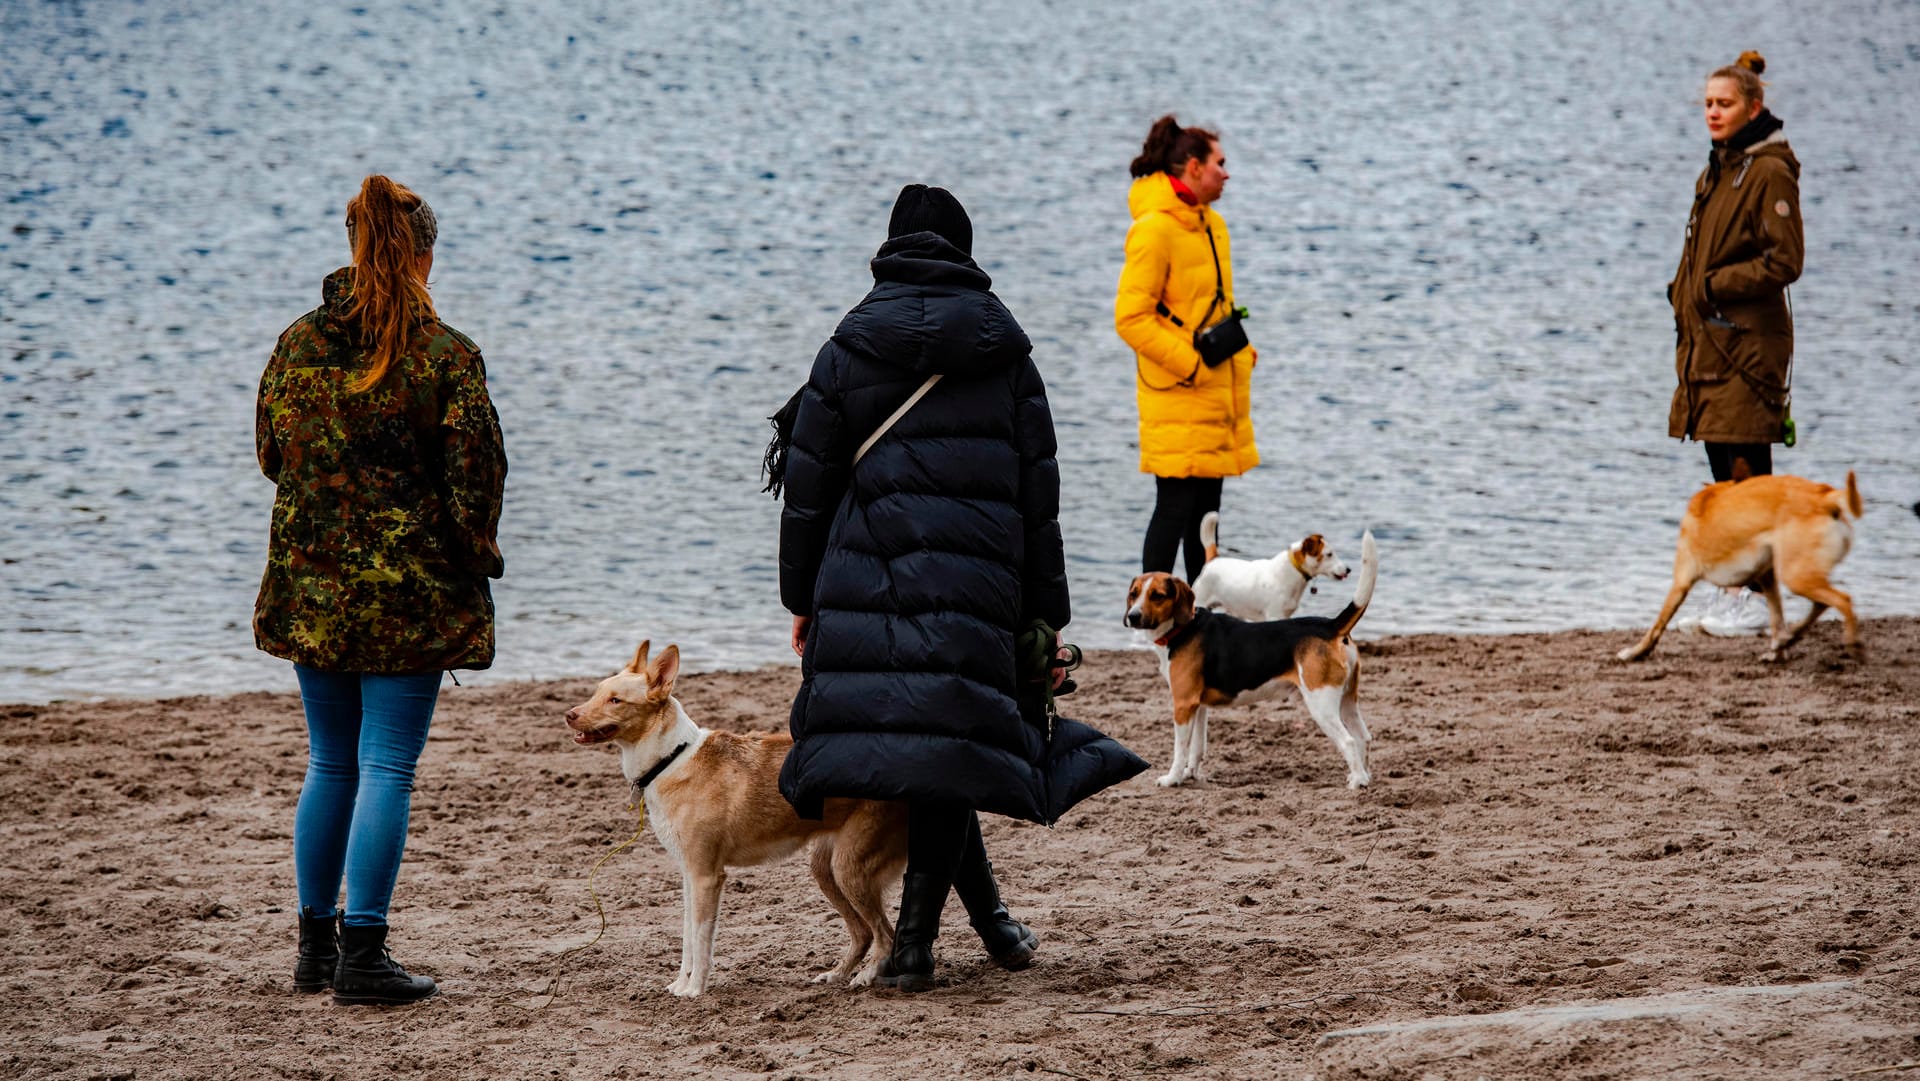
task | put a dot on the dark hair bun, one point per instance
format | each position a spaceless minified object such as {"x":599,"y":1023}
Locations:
{"x":1752,"y":61}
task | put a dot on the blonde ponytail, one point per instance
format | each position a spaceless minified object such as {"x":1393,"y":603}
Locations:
{"x":388,"y":226}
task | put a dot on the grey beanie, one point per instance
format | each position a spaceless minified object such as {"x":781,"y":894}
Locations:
{"x":425,"y":226}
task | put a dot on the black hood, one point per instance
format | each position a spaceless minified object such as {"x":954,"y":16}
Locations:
{"x":927,"y":258}
{"x":930,"y":311}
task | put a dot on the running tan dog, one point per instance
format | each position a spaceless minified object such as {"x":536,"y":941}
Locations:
{"x":1738,"y":530}
{"x":1211,"y":659}
{"x":713,"y":800}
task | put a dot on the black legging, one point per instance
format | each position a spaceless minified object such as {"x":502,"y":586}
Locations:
{"x":1721,"y":456}
{"x":1178,"y":505}
{"x":941,"y":836}
{"x":1759,"y":459}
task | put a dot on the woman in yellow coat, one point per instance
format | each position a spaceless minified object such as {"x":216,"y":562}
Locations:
{"x":1196,"y":426}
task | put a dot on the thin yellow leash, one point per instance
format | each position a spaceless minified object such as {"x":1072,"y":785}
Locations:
{"x":552,"y":990}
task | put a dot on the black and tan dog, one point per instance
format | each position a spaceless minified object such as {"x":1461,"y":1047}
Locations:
{"x":1214,"y":660}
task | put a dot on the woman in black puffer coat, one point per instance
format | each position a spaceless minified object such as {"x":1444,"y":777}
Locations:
{"x":911,"y":573}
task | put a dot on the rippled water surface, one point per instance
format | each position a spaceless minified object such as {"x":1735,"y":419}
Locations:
{"x":1454,"y":223}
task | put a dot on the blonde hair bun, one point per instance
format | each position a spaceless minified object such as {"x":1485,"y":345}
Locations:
{"x":1752,"y":61}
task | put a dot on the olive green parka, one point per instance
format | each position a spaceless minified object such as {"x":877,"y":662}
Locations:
{"x":387,"y":502}
{"x":1734,"y":328}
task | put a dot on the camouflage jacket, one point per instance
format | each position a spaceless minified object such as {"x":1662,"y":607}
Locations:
{"x":383,"y":532}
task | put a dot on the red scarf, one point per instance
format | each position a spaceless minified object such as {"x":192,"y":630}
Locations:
{"x":1185,"y":193}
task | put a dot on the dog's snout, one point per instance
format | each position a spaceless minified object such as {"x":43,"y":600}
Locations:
{"x":573,"y":714}
{"x":1133,"y":617}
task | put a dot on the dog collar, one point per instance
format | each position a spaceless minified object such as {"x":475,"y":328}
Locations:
{"x":1172,"y":636}
{"x":659,"y":767}
{"x":1293,"y":557}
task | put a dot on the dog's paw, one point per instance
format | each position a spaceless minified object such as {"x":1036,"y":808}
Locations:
{"x":1170,"y":780}
{"x":864,"y":977}
{"x":689,"y":989}
{"x":1359,"y":780}
{"x":1631,"y":653}
{"x":1771,"y":656}
{"x":828,"y":976}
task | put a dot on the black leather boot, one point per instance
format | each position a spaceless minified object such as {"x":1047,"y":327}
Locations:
{"x":319,"y":951}
{"x":1009,"y":942}
{"x":910,"y":966}
{"x":368,"y":976}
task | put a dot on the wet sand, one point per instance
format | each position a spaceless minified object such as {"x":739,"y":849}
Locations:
{"x":1698,"y":866}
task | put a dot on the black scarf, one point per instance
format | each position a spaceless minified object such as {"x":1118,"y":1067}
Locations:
{"x":1757,"y":130}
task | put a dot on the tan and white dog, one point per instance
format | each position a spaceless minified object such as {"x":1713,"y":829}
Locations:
{"x":713,"y":800}
{"x":1736,"y":531}
{"x":1260,"y":589}
{"x":1211,"y":659}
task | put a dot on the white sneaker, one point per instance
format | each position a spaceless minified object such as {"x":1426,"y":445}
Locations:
{"x":1744,"y":616}
{"x":1716,"y":607}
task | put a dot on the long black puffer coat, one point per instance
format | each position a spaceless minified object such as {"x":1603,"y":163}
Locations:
{"x":920,"y":564}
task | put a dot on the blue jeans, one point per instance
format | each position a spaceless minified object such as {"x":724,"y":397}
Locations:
{"x":364,"y":734}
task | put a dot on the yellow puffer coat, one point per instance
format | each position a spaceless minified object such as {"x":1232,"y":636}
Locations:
{"x":1195,"y":421}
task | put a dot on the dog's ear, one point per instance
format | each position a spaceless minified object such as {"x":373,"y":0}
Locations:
{"x":660,"y":676}
{"x":1182,"y":601}
{"x":639,"y":662}
{"x":1312,"y":546}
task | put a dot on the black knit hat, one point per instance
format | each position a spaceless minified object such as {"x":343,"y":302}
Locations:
{"x":921,"y":209}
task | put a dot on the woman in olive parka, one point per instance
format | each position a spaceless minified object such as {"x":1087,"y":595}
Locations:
{"x":375,"y":426}
{"x":1733,"y":323}
{"x":1743,"y":248}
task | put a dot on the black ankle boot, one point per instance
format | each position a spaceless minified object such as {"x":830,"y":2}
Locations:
{"x":367,"y":974}
{"x":910,"y":966}
{"x":1009,"y":942}
{"x":319,"y":951}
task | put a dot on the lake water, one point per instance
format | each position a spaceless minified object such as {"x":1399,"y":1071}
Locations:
{"x":1453,"y":221}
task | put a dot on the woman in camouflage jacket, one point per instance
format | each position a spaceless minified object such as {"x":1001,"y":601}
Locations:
{"x":375,"y":426}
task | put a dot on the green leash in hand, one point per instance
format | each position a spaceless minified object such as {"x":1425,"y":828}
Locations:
{"x":1034,"y":660}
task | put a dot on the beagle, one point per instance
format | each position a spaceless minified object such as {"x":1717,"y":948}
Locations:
{"x":1211,"y":659}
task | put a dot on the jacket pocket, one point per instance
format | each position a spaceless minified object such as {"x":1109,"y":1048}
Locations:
{"x":1716,"y":343}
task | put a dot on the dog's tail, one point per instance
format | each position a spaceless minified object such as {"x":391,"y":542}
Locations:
{"x":1362,"y":593}
{"x":1845,"y":502}
{"x":1210,"y":534}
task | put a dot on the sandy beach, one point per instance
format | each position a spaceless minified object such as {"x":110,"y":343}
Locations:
{"x":1699,"y":866}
